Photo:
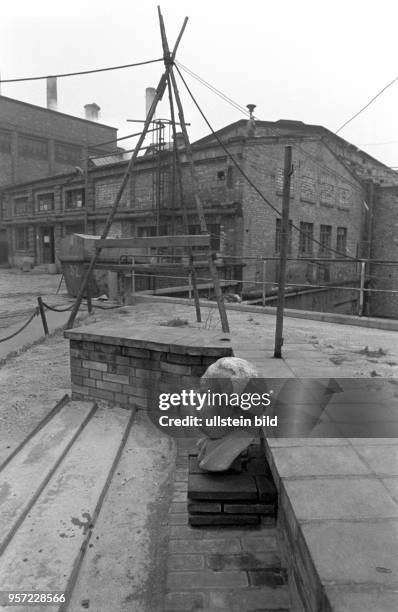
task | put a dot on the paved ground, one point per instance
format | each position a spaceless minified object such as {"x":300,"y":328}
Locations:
{"x":31,"y":383}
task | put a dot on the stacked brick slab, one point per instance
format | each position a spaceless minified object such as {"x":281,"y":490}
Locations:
{"x":232,"y":498}
{"x":130,"y":367}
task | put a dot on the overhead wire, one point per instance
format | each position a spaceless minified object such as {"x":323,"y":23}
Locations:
{"x":219,"y":93}
{"x":80,"y":72}
{"x":243,"y":173}
{"x":379,"y":93}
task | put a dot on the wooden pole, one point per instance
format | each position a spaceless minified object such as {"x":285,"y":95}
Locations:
{"x":264,"y":281}
{"x":43,"y":315}
{"x":361,"y":290}
{"x":158,"y":96}
{"x":188,"y":150}
{"x":183,"y":206}
{"x":283,"y":253}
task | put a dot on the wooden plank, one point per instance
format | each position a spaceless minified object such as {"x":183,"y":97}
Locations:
{"x":185,"y":288}
{"x":194,"y":240}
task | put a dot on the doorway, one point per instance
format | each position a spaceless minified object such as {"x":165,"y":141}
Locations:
{"x":47,"y":250}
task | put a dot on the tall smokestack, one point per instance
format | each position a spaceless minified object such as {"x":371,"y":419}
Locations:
{"x":52,"y":98}
{"x":150,"y":93}
{"x":91,"y":111}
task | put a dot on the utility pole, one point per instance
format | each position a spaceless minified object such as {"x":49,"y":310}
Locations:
{"x":159,"y":95}
{"x":287,"y":172}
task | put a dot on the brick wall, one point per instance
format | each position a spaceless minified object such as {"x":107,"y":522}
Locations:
{"x":263,"y":162}
{"x":385,"y":247}
{"x":133,"y":375}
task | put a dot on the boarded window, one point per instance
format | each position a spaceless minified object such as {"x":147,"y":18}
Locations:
{"x":32,"y":147}
{"x":105,"y":194}
{"x":344,"y":197}
{"x":327,"y":191}
{"x":67,"y":153}
{"x":307,"y":188}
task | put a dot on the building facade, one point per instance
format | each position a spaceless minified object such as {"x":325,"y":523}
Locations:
{"x":383,"y":273}
{"x":37,"y":142}
{"x":328,"y":210}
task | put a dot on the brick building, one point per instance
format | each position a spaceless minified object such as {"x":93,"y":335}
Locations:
{"x":329,"y":187}
{"x":384,"y":247}
{"x":37,"y":142}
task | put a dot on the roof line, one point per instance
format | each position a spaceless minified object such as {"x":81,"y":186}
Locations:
{"x":56,"y":112}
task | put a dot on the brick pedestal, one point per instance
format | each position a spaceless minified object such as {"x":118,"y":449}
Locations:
{"x":234,"y":497}
{"x":129,"y":366}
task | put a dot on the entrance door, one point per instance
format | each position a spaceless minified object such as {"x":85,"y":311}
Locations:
{"x":47,"y":244}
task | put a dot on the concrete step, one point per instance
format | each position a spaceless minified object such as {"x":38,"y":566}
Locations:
{"x":24,"y":477}
{"x":45,"y":549}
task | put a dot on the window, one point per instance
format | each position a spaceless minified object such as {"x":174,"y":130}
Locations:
{"x":21,"y":239}
{"x":20,"y":206}
{"x":278,"y":235}
{"x":327,"y":191}
{"x":341,"y":240}
{"x":32,"y":147}
{"x":306,"y":238}
{"x":45,"y":201}
{"x":74,"y":198}
{"x":307,"y":188}
{"x":343,"y":197}
{"x":325,"y":238}
{"x":67,"y":154}
{"x":221,"y":175}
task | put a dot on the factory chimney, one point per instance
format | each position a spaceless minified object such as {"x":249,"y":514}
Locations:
{"x":91,"y":111}
{"x":150,"y":93}
{"x":52,"y":98}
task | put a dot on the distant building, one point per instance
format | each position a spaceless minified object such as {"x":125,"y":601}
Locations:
{"x":37,"y":142}
{"x":329,"y":195}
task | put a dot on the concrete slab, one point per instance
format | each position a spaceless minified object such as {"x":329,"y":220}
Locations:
{"x":340,"y":498}
{"x":348,"y":552}
{"x":26,"y":474}
{"x":369,"y":600}
{"x":42,"y":553}
{"x":318,"y":461}
{"x":383,"y":460}
{"x":123,"y":566}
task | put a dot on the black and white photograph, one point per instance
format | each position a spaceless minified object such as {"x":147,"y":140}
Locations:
{"x":198,"y":306}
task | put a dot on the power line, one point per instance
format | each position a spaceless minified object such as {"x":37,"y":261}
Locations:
{"x":68,"y":74}
{"x":213,"y":89}
{"x":367,"y":105}
{"x":256,"y":189}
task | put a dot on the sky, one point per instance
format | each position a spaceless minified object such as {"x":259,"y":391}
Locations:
{"x":317,"y":62}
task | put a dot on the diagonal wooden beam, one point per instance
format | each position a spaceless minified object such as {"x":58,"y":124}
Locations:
{"x":158,"y":96}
